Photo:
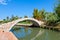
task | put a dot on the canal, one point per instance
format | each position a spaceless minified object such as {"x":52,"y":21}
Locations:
{"x":27,"y":33}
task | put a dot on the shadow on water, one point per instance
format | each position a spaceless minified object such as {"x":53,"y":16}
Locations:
{"x":34,"y":26}
{"x":53,"y":29}
{"x":56,"y":30}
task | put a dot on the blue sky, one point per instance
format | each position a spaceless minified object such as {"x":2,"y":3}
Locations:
{"x":24,"y":7}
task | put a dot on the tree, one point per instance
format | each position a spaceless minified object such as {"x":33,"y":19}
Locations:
{"x":16,"y":17}
{"x":20,"y":17}
{"x":35,"y":14}
{"x":4,"y":19}
{"x":51,"y":18}
{"x":1,"y":21}
{"x":25,"y":20}
{"x":41,"y":15}
{"x":7,"y":19}
{"x":57,"y":9}
{"x":25,"y":16}
{"x":12,"y":18}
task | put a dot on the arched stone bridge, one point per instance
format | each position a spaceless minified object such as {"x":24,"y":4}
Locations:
{"x":9,"y":25}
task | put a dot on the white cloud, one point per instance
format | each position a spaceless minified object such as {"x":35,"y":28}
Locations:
{"x":4,"y":2}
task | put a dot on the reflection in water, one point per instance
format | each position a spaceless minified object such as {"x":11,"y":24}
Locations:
{"x":22,"y":32}
{"x":35,"y":34}
{"x":39,"y":33}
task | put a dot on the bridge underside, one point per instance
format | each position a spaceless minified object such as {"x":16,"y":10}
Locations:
{"x":27,"y":25}
{"x":33,"y":25}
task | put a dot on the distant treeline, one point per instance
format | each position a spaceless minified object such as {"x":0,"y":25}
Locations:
{"x":7,"y":19}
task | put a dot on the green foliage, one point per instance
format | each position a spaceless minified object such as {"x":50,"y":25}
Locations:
{"x":35,"y":13}
{"x":1,"y":22}
{"x":14,"y":18}
{"x":39,"y":15}
{"x":51,"y":18}
{"x":57,"y":9}
{"x":5,"y":20}
{"x":25,"y":16}
{"x":10,"y":19}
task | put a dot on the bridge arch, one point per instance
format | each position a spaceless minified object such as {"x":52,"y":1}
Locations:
{"x":34,"y":21}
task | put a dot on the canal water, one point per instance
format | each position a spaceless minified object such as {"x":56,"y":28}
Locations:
{"x":27,"y":33}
